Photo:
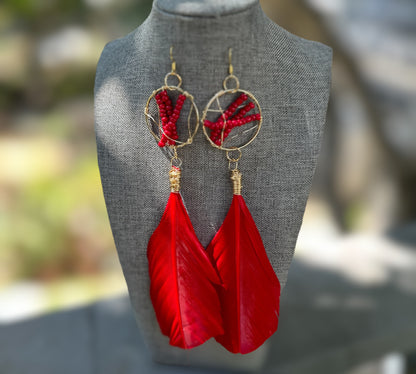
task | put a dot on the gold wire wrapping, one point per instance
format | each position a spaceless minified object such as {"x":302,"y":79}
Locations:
{"x":175,"y":179}
{"x":236,"y":178}
{"x":193,"y":109}
{"x":215,"y":99}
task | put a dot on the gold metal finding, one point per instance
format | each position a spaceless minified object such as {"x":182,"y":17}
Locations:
{"x":233,"y":159}
{"x":230,"y":65}
{"x":175,"y":179}
{"x":173,"y":74}
{"x":214,"y":105}
{"x":154,"y":122}
{"x":228,"y":78}
{"x":173,"y":61}
{"x":231,"y":75}
{"x":173,"y":70}
{"x":236,"y":178}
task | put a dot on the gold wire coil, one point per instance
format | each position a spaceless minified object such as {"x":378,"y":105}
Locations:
{"x":236,"y":178}
{"x":233,"y":159}
{"x":175,"y":179}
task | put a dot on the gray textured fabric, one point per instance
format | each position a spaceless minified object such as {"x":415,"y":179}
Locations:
{"x":289,"y":76}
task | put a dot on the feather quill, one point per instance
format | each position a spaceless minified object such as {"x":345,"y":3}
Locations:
{"x":182,"y":280}
{"x":251,"y":292}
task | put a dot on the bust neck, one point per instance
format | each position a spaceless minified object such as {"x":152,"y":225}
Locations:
{"x":203,"y":8}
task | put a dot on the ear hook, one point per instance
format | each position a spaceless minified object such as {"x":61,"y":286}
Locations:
{"x":173,"y":61}
{"x":230,"y":65}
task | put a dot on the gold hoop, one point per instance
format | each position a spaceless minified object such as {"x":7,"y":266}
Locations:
{"x":215,"y":98}
{"x":227,"y":78}
{"x":227,"y":153}
{"x":175,"y":159}
{"x":174,"y":74}
{"x":194,"y":108}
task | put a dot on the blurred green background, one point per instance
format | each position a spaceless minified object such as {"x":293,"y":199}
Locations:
{"x":54,"y":230}
{"x":56,"y":247}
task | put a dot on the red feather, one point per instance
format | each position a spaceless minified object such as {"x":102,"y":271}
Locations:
{"x":251,"y":292}
{"x":182,"y":280}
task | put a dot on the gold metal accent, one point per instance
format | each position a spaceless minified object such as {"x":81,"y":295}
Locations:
{"x":173,"y":61}
{"x":174,"y":74}
{"x":236,"y":178}
{"x":237,"y":83}
{"x":232,"y":160}
{"x":230,"y":65}
{"x":175,"y":160}
{"x":173,"y":70}
{"x":175,"y":179}
{"x":230,"y":75}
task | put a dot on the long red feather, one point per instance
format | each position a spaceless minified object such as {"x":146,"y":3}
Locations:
{"x":251,"y":292}
{"x":182,"y":280}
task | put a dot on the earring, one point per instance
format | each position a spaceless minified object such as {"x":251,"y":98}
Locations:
{"x":182,"y":277}
{"x":251,"y":290}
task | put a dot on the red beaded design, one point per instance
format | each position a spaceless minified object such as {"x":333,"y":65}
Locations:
{"x":227,"y":121}
{"x":169,"y":116}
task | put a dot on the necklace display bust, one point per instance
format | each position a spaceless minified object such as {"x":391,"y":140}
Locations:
{"x":289,"y":76}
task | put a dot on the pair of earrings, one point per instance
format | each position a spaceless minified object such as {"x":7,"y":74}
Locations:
{"x":228,"y":291}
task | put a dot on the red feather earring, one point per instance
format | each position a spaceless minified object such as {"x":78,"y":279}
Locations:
{"x":250,"y":293}
{"x":182,"y":277}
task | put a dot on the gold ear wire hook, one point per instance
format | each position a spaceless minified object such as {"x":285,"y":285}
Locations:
{"x":230,"y":65}
{"x":173,"y":61}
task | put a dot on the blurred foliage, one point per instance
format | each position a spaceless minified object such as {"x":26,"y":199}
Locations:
{"x":53,"y":220}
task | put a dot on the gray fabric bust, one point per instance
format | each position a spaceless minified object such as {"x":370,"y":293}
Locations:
{"x":289,"y":76}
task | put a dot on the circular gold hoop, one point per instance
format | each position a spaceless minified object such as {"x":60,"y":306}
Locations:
{"x":175,"y":161}
{"x":229,"y":77}
{"x":215,"y":98}
{"x":172,"y":73}
{"x":194,"y":108}
{"x":231,"y":159}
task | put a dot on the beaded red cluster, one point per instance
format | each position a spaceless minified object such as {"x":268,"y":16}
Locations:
{"x":169,"y":116}
{"x":227,"y":123}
